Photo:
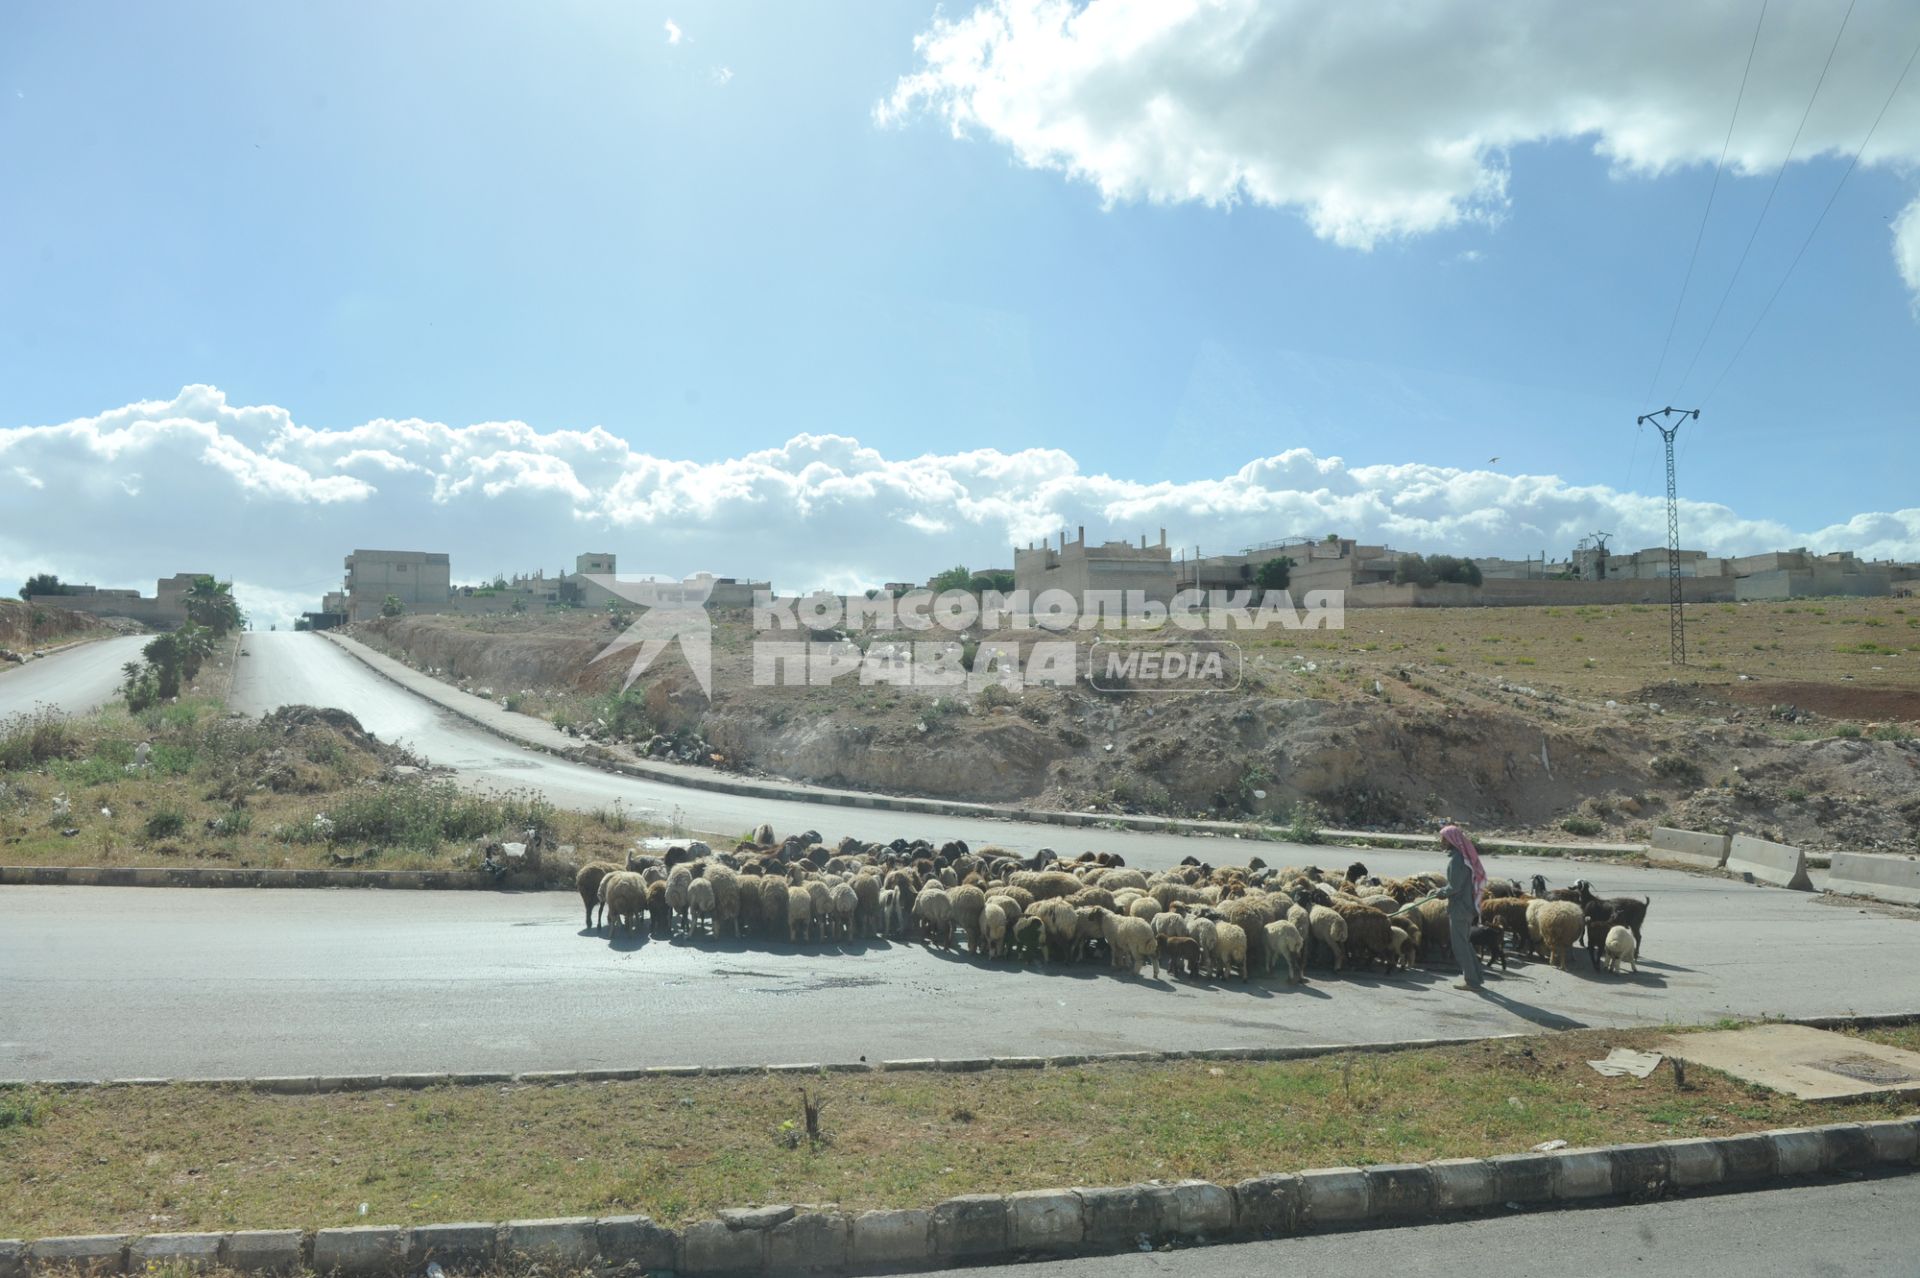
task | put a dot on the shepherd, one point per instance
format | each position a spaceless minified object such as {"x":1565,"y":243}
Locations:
{"x":1466,"y":881}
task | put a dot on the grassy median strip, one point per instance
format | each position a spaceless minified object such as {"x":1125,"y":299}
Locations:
{"x":204,"y":1157}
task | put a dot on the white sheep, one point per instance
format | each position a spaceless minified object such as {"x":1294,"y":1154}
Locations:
{"x":994,"y":922}
{"x":1330,"y":929}
{"x":1230,"y":949}
{"x":1285,"y":941}
{"x":1129,"y":941}
{"x":1622,"y":947}
{"x":846,"y":905}
{"x":700,"y":905}
{"x":799,"y":914}
{"x":679,"y":881}
{"x":933,"y":910}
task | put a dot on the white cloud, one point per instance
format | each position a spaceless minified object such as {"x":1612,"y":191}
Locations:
{"x":1379,"y":123}
{"x":722,"y":76}
{"x":674,"y":34}
{"x":1906,"y":247}
{"x":198,"y":484}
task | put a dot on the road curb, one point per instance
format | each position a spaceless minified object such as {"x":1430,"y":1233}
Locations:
{"x":995,"y":1229}
{"x":211,"y":876}
{"x":598,"y":757}
{"x":318,"y":1084}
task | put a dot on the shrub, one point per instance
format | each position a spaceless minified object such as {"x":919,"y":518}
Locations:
{"x":30,"y":740}
{"x":1847,"y":731}
{"x":231,"y":823}
{"x":1677,"y":768}
{"x":1303,"y":824}
{"x":19,"y":1107}
{"x":1893,"y":732}
{"x":1581,"y":825}
{"x":166,"y":823}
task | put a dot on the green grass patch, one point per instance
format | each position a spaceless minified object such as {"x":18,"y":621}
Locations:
{"x":204,"y":1157}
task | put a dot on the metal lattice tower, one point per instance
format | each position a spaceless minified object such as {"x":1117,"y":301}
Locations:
{"x":1676,"y":614}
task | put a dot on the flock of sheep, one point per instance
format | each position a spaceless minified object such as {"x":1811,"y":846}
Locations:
{"x":1194,"y":921}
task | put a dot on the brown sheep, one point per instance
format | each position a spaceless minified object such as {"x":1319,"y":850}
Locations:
{"x":1368,"y":932}
{"x":587,"y":880}
{"x":1179,"y":955}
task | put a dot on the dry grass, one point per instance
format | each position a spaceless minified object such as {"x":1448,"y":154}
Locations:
{"x":190,"y":1157}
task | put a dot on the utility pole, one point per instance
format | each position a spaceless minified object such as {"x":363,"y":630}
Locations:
{"x":1676,"y":617}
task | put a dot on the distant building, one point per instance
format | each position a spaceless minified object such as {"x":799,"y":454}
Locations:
{"x":1077,"y":568}
{"x":421,"y":580}
{"x":1328,"y":563}
{"x":164,"y":611}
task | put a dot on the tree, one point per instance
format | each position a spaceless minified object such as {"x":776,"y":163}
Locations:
{"x":1274,"y":574}
{"x":1001,"y":581}
{"x":211,"y":604}
{"x":391,"y":606}
{"x":1423,"y":570}
{"x":45,"y":583}
{"x":958,"y":577}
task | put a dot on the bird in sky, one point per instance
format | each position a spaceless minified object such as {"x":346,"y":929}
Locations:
{"x":1492,"y":460}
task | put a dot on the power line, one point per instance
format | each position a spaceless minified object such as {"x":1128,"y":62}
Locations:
{"x":1705,"y":213}
{"x":1771,"y":191}
{"x":1851,"y":166}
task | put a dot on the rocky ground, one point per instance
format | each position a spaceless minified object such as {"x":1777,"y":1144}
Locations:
{"x":1793,"y":721}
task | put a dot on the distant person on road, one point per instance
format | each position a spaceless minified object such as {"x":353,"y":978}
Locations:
{"x":1466,"y":880}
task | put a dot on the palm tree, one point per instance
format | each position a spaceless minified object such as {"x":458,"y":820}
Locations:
{"x":211,"y":603}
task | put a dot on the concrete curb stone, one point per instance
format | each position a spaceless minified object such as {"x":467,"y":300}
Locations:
{"x":1202,"y":1209}
{"x":1582,"y":1173}
{"x":1846,"y":1147}
{"x":708,"y":1247}
{"x":637,"y":1240}
{"x":1399,"y":1191}
{"x":811,"y":1242}
{"x":360,"y":1250}
{"x":1333,"y":1196}
{"x":13,"y":1258}
{"x":1748,"y":1157}
{"x":1463,"y":1184}
{"x":1522,"y":1178}
{"x":264,"y":1251}
{"x":972,"y":1225}
{"x":567,"y":1242}
{"x":892,"y":1239}
{"x":1799,"y":1152}
{"x":94,"y":1253}
{"x":1696,"y":1163}
{"x":1045,"y":1220}
{"x":1641,"y":1172}
{"x":194,"y":1251}
{"x":468,"y":1246}
{"x":1894,"y":1140}
{"x":1267,"y":1205}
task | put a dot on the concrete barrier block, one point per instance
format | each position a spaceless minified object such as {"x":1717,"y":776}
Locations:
{"x":13,"y":1258}
{"x":1884,"y":878}
{"x":469,"y":1245}
{"x":1523,"y":1178}
{"x":1641,"y":1172}
{"x":1044,"y":1220}
{"x":1399,"y":1191}
{"x":1776,"y":863}
{"x":811,"y":1242}
{"x":636,"y":1240}
{"x":1118,"y":1215}
{"x":190,"y":1251}
{"x":1894,"y":1140}
{"x":892,"y":1239}
{"x":1582,"y":1173}
{"x":1695,"y":1164}
{"x":971,"y":1225}
{"x":1332,"y":1196}
{"x":758,"y":1217}
{"x":264,"y":1251}
{"x":1201,"y":1209}
{"x":1267,"y":1205}
{"x":560,"y":1242}
{"x":1463,"y":1184}
{"x":86,"y":1253}
{"x":1689,"y":847}
{"x":360,"y":1250}
{"x":1797,"y":1152}
{"x":710,"y":1248}
{"x":1846,"y":1147}
{"x":1748,"y":1157}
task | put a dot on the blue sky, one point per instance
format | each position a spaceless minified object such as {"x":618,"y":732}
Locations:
{"x":553,"y":214}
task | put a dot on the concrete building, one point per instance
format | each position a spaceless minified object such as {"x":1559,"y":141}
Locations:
{"x":421,"y":580}
{"x":164,"y":611}
{"x":1077,"y":568}
{"x":1327,"y":563}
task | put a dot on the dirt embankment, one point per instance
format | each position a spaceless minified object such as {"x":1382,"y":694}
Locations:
{"x":24,"y":627}
{"x":1369,"y":737}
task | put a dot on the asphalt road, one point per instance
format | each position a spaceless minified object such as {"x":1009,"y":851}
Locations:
{"x":1858,"y":1229}
{"x":77,"y":680}
{"x":128,"y":982}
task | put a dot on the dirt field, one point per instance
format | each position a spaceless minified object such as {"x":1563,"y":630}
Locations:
{"x":24,"y":629}
{"x":1793,"y":720}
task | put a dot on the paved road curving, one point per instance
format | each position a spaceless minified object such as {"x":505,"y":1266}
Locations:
{"x":80,"y":679}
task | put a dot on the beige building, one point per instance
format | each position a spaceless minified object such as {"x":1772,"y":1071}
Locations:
{"x":1077,"y":568}
{"x":421,"y":580}
{"x":165,"y":610}
{"x":1328,"y":563}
